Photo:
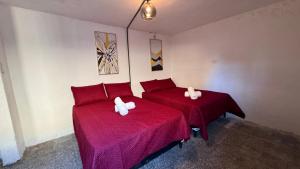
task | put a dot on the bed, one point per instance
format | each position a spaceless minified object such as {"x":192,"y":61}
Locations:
{"x":108,"y":140}
{"x":198,"y":113}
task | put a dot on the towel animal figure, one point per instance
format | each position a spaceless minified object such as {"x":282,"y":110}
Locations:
{"x":192,"y":93}
{"x":129,"y":106}
{"x":122,"y":107}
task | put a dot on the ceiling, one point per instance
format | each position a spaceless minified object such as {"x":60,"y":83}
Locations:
{"x":173,"y":16}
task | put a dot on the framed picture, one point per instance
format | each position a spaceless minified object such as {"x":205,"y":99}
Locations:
{"x":107,"y":53}
{"x":156,"y":54}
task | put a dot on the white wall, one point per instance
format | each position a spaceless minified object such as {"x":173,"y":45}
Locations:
{"x":254,"y":56}
{"x":9,"y":152}
{"x":49,"y":53}
{"x":140,"y":59}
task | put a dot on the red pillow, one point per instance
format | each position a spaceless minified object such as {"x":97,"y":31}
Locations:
{"x":114,"y":90}
{"x":150,"y":86}
{"x":166,"y":83}
{"x":88,"y":94}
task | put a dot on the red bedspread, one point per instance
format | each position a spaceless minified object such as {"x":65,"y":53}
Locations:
{"x":108,"y":140}
{"x":198,"y":113}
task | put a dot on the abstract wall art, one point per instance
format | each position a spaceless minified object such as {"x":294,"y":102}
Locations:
{"x":107,"y":53}
{"x":156,"y":54}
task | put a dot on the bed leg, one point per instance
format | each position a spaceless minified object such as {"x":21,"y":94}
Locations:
{"x":195,"y":131}
{"x":180,"y":144}
{"x":225,"y":115}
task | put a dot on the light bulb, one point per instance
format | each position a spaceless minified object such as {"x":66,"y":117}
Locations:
{"x":148,"y":11}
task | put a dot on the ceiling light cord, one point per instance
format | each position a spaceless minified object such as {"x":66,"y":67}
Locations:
{"x":148,"y":12}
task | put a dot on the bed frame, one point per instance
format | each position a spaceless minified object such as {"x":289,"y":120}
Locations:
{"x":158,"y":153}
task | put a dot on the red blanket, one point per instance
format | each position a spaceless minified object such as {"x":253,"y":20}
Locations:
{"x":108,"y":140}
{"x":198,"y":113}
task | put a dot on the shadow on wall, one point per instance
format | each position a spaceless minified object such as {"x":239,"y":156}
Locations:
{"x":191,"y":72}
{"x":8,"y":58}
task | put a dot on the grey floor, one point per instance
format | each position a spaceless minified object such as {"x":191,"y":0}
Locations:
{"x":233,"y":145}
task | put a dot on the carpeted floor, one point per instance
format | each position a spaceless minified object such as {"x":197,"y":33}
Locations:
{"x":233,"y":145}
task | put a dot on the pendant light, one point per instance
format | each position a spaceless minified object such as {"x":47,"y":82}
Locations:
{"x":148,"y":11}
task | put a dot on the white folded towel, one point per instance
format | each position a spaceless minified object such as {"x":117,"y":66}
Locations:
{"x":198,"y":93}
{"x":192,"y":93}
{"x":129,"y":106}
{"x":121,"y":106}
